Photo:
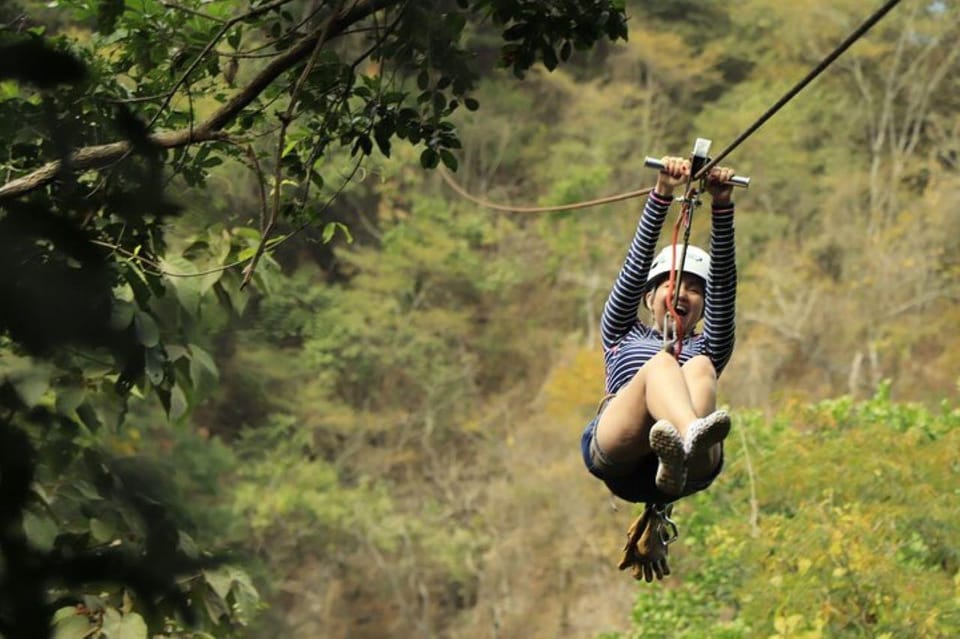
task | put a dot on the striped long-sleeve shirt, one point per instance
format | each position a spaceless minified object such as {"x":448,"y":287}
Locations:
{"x":627,"y":342}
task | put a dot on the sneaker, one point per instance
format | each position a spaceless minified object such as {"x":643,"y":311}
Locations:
{"x":706,"y":432}
{"x":668,"y":446}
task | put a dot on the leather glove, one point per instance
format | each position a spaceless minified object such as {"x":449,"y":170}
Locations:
{"x":646,"y":551}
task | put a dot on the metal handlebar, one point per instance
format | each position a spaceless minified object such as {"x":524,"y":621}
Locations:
{"x":737,"y":180}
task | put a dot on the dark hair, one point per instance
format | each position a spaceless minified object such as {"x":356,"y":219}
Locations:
{"x":652,"y":286}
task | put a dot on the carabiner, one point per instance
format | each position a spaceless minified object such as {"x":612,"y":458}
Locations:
{"x":669,"y":532}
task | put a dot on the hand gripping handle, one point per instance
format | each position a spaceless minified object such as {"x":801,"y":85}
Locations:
{"x":736,"y":180}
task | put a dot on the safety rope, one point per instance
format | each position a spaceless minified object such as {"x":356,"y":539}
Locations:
{"x":688,"y":203}
{"x":539,"y":209}
{"x":684,"y":220}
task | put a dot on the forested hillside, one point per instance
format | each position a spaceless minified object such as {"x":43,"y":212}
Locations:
{"x":338,"y":399}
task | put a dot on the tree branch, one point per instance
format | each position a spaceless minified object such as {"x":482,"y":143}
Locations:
{"x":97,"y":156}
{"x":285,"y":120}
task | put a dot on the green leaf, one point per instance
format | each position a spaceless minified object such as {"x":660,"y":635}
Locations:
{"x":238,"y":299}
{"x":155,"y":360}
{"x":245,"y":596}
{"x":175,"y":351}
{"x":40,"y":530}
{"x":366,"y":144}
{"x":233,"y":38}
{"x":101,"y":530}
{"x":218,"y":239}
{"x":9,"y":90}
{"x":88,"y":416}
{"x":85,"y":490}
{"x":220,"y":580}
{"x":246,"y":254}
{"x":187,"y":545}
{"x":449,"y":160}
{"x":382,"y":133}
{"x":439,"y":102}
{"x":121,"y":314}
{"x":216,"y":607}
{"x":64,"y":613}
{"x":31,"y":385}
{"x":471,"y":104}
{"x":549,"y":57}
{"x":30,"y":379}
{"x":178,"y":404}
{"x":69,"y":398}
{"x":455,"y":24}
{"x":108,"y":11}
{"x":203,"y":370}
{"x":180,"y":275}
{"x":117,"y":626}
{"x":148,"y":333}
{"x":73,"y":626}
{"x":429,"y":159}
{"x":328,"y":230}
{"x":38,"y":490}
{"x":517,"y":31}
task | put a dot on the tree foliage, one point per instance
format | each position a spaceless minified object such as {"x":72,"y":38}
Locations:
{"x":378,"y":427}
{"x":101,"y":120}
{"x":833,"y":546}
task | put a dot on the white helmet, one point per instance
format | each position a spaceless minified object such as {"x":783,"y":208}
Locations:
{"x":697,"y":263}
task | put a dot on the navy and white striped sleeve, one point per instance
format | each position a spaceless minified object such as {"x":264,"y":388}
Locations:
{"x":719,"y":325}
{"x":620,"y":310}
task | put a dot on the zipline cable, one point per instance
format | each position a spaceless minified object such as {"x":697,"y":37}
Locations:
{"x":779,"y":104}
{"x":789,"y":95}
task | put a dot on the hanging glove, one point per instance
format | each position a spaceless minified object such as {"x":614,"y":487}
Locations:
{"x":646,"y":550}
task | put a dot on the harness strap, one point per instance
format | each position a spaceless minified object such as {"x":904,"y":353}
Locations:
{"x":690,"y":200}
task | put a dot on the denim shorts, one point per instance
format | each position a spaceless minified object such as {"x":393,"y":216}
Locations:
{"x":635,"y":484}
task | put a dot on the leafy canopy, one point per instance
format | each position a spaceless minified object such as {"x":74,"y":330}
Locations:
{"x":106,"y":109}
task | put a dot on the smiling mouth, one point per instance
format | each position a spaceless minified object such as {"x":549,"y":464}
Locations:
{"x":682,"y":310}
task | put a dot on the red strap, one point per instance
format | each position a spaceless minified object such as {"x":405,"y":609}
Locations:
{"x":674,"y":280}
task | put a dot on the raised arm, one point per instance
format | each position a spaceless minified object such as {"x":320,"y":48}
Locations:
{"x":620,"y":310}
{"x":719,"y":326}
{"x":720,"y":304}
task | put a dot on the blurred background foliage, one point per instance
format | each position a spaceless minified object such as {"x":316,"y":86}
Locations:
{"x":376,"y":436}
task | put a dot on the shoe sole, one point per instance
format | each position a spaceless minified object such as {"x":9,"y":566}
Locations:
{"x":672,"y":469}
{"x":710,"y":430}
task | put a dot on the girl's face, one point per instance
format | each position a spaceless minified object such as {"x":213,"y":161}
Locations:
{"x":689,"y":307}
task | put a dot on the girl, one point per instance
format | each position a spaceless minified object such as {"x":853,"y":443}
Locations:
{"x":658,"y":435}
